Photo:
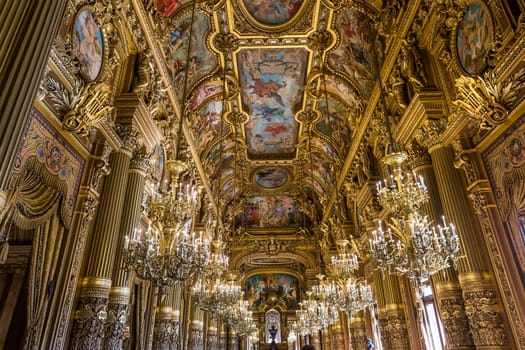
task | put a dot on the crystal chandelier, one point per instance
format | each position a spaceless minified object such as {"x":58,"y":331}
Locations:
{"x":169,"y":250}
{"x":401,"y":193}
{"x":240,"y":318}
{"x":218,"y":297}
{"x":410,"y":245}
{"x":344,"y":263}
{"x":357,"y":296}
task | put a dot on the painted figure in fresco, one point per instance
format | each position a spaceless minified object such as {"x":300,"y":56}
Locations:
{"x":167,"y":7}
{"x":88,"y":44}
{"x":473,"y":39}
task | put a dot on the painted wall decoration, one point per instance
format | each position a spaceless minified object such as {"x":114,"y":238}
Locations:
{"x":168,"y":7}
{"x":270,"y":290}
{"x":505,"y":163}
{"x":474,"y":38}
{"x":41,"y":142}
{"x":272,"y":82}
{"x":335,"y":125}
{"x":88,"y":45}
{"x":270,"y":211}
{"x":322,"y":168}
{"x":272,"y":12}
{"x":204,"y":92}
{"x":271,"y":177}
{"x":360,"y":50}
{"x":208,"y":127}
{"x":201,"y":61}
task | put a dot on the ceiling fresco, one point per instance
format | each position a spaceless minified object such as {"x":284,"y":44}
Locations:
{"x":360,"y":49}
{"x":297,"y":74}
{"x":201,"y":60}
{"x":272,"y":12}
{"x":272,"y":81}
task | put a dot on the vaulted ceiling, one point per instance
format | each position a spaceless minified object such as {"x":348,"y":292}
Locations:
{"x":273,"y":94}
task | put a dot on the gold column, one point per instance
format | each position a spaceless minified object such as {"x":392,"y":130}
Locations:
{"x":27,"y":29}
{"x":88,"y":331}
{"x":326,"y":338}
{"x":339,"y":339}
{"x":446,"y":288}
{"x":358,"y":331}
{"x":481,"y":306}
{"x":315,"y":340}
{"x":233,"y":339}
{"x":120,"y":291}
{"x":223,"y":338}
{"x":196,"y":336}
{"x":392,"y":322}
{"x":212,"y":340}
{"x":162,"y":330}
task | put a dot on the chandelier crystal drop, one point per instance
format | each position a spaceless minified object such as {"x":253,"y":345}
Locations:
{"x":168,"y":251}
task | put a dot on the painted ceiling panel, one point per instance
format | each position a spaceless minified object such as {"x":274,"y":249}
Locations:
{"x":201,"y":62}
{"x":272,"y":82}
{"x":270,"y":212}
{"x":360,"y":50}
{"x":334,"y":124}
{"x":273,"y":12}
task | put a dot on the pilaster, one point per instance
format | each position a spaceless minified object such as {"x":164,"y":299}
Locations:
{"x":196,"y":336}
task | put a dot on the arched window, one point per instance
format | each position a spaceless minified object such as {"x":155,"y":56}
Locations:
{"x":272,"y":319}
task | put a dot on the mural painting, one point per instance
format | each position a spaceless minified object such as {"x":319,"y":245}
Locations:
{"x":360,"y":51}
{"x":43,"y":144}
{"x":207,"y":127}
{"x":168,"y":7}
{"x":319,"y":144}
{"x":204,"y":92}
{"x":474,"y":38}
{"x":505,"y":162}
{"x":271,"y":177}
{"x":201,"y":61}
{"x":270,"y":290}
{"x":270,"y":211}
{"x":322,"y":168}
{"x":335,"y":125}
{"x":272,"y":12}
{"x":88,"y":45}
{"x":272,"y":82}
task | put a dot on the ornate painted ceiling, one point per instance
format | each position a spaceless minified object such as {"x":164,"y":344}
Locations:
{"x":273,"y":93}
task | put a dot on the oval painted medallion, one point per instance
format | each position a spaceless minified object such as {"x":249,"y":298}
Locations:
{"x":271,"y":177}
{"x":273,"y":12}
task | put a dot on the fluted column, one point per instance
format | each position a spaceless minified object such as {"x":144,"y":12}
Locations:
{"x":88,"y":331}
{"x":358,"y":331}
{"x":485,"y":322}
{"x":327,"y":338}
{"x":392,"y":321}
{"x":233,"y":340}
{"x":212,"y":339}
{"x":163,"y":330}
{"x":27,"y":29}
{"x":315,"y":340}
{"x":223,"y":337}
{"x":446,"y":288}
{"x":339,"y":338}
{"x":196,"y":336}
{"x":120,"y":291}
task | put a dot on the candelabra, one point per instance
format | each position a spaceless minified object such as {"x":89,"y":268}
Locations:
{"x":358,"y":296}
{"x":168,"y":251}
{"x":411,"y":245}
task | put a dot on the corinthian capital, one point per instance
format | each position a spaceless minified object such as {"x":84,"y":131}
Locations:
{"x":429,"y":135}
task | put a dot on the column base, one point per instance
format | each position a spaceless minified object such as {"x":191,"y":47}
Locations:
{"x":483,"y":311}
{"x":91,"y":314}
{"x":452,"y":313}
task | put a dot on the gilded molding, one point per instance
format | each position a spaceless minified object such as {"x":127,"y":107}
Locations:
{"x":487,"y":100}
{"x":429,"y":135}
{"x":88,"y":209}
